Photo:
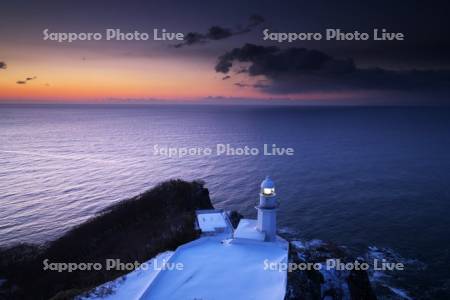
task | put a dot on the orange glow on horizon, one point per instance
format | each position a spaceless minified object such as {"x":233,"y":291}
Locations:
{"x":74,"y":78}
{"x":65,"y":74}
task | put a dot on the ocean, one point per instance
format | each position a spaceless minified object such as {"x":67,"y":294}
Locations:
{"x":362,"y":177}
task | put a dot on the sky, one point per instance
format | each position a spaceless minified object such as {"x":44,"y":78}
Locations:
{"x":224,"y":56}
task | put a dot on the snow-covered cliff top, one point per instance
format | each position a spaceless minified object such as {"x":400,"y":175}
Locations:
{"x":229,"y":269}
{"x":212,"y":267}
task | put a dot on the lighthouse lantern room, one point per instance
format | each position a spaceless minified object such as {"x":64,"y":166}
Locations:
{"x":267,"y":210}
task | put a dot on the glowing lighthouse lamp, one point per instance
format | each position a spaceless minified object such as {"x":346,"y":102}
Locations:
{"x":267,"y":210}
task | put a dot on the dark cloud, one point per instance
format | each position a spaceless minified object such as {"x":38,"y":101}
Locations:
{"x":191,"y":38}
{"x":294,"y":70}
{"x":242,"y":70}
{"x":219,"y":33}
{"x":226,"y":77}
{"x":258,"y":85}
{"x":273,"y":60}
{"x":2,"y":65}
{"x":255,"y":20}
{"x":26,"y":80}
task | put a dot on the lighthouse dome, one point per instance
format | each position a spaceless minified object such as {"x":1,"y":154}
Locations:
{"x":268,"y":187}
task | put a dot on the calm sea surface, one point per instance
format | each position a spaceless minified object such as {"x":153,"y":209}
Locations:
{"x":360,"y":176}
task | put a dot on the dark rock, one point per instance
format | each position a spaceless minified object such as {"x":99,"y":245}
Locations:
{"x":302,"y":285}
{"x":235,"y":217}
{"x":314,"y":284}
{"x":359,"y":285}
{"x":136,"y":229}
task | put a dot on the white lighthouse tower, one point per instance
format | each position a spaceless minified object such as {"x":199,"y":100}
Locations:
{"x":267,"y":210}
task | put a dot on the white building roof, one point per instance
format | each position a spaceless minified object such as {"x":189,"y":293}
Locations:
{"x":247,"y":230}
{"x":211,"y":220}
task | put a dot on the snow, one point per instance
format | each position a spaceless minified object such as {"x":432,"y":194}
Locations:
{"x":130,"y":286}
{"x":210,"y":221}
{"x":247,"y":230}
{"x":214,"y":269}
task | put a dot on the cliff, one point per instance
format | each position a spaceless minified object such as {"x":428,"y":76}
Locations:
{"x":139,"y":228}
{"x":330,"y":284}
{"x":136,"y":229}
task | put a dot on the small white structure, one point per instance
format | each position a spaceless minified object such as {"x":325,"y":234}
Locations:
{"x":265,"y":227}
{"x":211,"y":221}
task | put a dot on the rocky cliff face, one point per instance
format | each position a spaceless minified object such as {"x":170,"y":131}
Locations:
{"x":321,"y":285}
{"x":136,"y":229}
{"x":330,"y":284}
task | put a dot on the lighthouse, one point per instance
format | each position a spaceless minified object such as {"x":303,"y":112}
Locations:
{"x":267,"y":210}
